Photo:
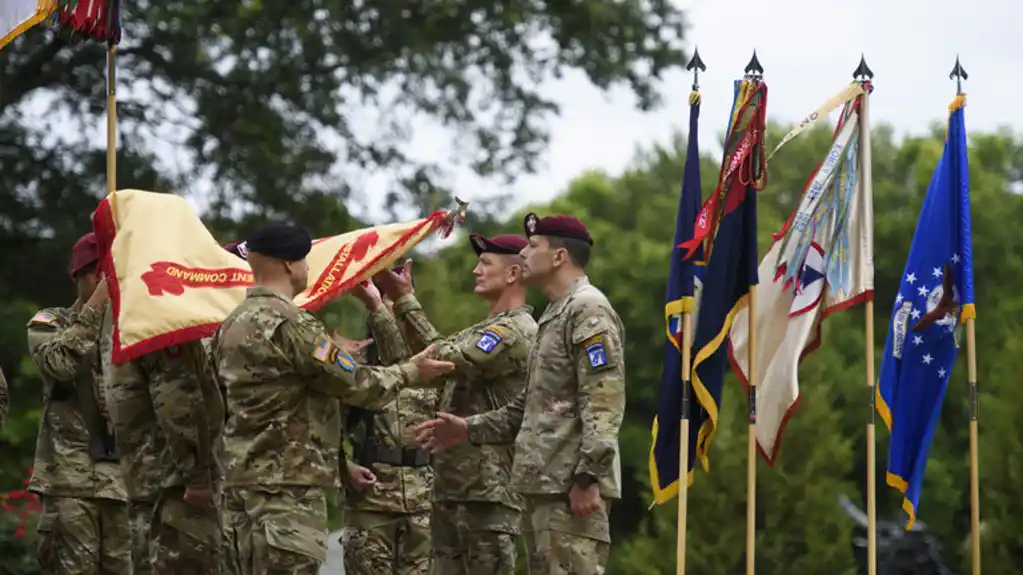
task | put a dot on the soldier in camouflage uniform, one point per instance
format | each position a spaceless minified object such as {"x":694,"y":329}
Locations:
{"x":387,"y":504}
{"x":284,"y":378}
{"x":565,"y":426}
{"x":84,"y":525}
{"x":168,"y":414}
{"x":475,"y":514}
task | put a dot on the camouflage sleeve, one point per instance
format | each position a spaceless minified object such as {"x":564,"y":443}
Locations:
{"x":419,"y":332}
{"x":332,"y":371}
{"x":4,"y":400}
{"x":500,"y":425}
{"x":391,"y":347}
{"x":174,"y":376}
{"x":470,"y":354}
{"x":59,"y":353}
{"x":600,"y":373}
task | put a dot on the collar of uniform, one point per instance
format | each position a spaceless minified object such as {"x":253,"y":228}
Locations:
{"x":77,"y":306}
{"x":524,"y":308}
{"x":555,"y":307}
{"x":263,"y":291}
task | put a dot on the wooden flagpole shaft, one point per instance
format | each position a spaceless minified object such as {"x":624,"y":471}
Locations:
{"x":971,"y":374}
{"x":751,"y":452}
{"x":683,"y":450}
{"x":112,"y":128}
{"x":871,"y":446}
{"x":866,"y":187}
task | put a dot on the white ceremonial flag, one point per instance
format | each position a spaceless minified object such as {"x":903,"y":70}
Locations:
{"x":821,"y":262}
{"x":17,"y":16}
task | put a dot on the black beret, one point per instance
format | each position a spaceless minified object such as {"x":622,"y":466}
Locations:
{"x":557,"y":226}
{"x":508,"y":244}
{"x":280,"y":241}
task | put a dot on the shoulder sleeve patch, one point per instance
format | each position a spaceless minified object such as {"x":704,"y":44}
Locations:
{"x":596,"y":352}
{"x":341,"y":359}
{"x":42,"y":318}
{"x":489,"y":340}
{"x":322,"y":349}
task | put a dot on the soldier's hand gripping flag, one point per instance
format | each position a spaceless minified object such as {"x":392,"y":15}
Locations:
{"x":171,"y":282}
{"x":935,"y":295}
{"x":820,"y":262}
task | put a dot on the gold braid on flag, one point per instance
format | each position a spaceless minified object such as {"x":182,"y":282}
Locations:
{"x":17,"y":16}
{"x":171,"y":282}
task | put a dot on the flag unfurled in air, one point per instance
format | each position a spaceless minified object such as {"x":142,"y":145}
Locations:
{"x":822,"y":261}
{"x":727,"y":228}
{"x":170,"y":281}
{"x":681,"y":294}
{"x":17,"y":16}
{"x":935,"y":295}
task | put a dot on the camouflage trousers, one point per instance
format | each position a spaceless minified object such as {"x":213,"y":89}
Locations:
{"x":275,"y":530}
{"x":184,"y":538}
{"x":86,"y":536}
{"x":140,"y":516}
{"x":475,"y":538}
{"x":380,"y":543}
{"x":562,"y":544}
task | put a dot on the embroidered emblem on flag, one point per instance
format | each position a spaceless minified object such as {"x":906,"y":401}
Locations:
{"x":323,"y":348}
{"x":489,"y":340}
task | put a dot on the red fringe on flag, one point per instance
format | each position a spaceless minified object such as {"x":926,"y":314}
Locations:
{"x":96,"y":20}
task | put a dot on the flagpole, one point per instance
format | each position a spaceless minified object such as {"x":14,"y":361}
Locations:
{"x":864,"y":75}
{"x":754,"y":73}
{"x":696,"y":65}
{"x":112,"y":128}
{"x":971,"y":381}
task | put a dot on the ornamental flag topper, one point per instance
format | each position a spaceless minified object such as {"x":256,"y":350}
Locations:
{"x":171,"y":282}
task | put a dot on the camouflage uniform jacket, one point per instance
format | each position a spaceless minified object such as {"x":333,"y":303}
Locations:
{"x":167,"y":414}
{"x":62,"y":341}
{"x":567,"y":420}
{"x":398,"y":489}
{"x":284,"y":378}
{"x":490,"y":359}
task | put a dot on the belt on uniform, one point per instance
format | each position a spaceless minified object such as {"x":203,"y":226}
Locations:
{"x":401,"y":457}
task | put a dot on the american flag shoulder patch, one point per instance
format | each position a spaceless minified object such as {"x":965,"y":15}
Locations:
{"x":322,"y":349}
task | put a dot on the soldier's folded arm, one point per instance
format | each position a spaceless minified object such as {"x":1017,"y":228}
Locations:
{"x":334,"y":372}
{"x":59,"y":352}
{"x":420,"y":331}
{"x":600,"y":373}
{"x":500,"y":425}
{"x":174,"y":382}
{"x":391,"y":346}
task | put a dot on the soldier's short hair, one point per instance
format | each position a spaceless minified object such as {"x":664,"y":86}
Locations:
{"x":578,"y":250}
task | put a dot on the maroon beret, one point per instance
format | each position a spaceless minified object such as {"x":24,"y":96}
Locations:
{"x":557,"y":226}
{"x":508,"y":244}
{"x":84,"y":253}
{"x":239,"y":249}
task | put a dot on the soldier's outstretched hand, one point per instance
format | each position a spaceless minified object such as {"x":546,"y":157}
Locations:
{"x":394,"y":285}
{"x":444,"y":432}
{"x":429,"y":367}
{"x":369,"y":294}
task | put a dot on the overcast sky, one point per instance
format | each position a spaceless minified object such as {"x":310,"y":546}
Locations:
{"x":809,"y":50}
